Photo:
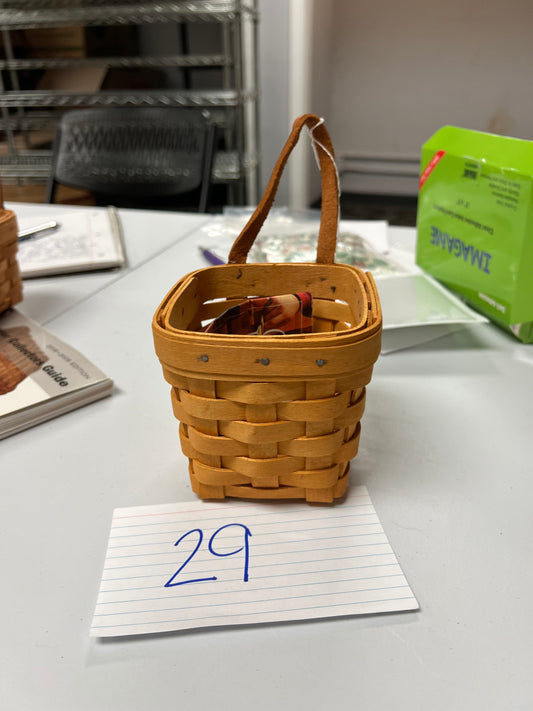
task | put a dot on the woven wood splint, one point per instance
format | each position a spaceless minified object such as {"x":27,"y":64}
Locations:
{"x":10,"y":280}
{"x":272,"y":416}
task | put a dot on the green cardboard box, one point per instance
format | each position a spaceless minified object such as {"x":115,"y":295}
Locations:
{"x":475,"y":222}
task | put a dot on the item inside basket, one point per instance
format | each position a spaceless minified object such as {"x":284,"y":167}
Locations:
{"x":267,"y":315}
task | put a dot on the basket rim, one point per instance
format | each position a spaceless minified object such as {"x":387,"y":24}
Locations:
{"x":269,"y":359}
{"x":372,"y":322}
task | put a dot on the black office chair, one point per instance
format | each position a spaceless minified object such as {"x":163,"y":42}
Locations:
{"x":134,"y":156}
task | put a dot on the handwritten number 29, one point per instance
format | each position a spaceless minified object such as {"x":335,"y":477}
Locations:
{"x":172,"y":582}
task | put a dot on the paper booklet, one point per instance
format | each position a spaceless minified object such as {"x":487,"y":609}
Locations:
{"x":85,"y":240}
{"x":40,"y":376}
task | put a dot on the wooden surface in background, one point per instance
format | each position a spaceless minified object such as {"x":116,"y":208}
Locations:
{"x":36,"y":194}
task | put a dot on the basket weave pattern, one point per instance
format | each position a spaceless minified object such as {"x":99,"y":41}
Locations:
{"x":269,"y":448}
{"x":10,"y":280}
{"x":271,"y":416}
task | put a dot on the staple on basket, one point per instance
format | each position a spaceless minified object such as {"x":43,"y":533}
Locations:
{"x":272,"y":416}
{"x":10,"y":279}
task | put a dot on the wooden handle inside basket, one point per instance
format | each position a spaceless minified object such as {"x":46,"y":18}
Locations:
{"x":327,"y":236}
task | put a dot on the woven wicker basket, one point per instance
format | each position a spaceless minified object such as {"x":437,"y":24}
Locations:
{"x":10,"y":280}
{"x":273,"y":416}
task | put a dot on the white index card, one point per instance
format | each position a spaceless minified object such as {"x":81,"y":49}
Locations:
{"x":203,"y":564}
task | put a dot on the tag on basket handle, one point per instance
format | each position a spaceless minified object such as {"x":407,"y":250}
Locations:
{"x":327,"y":236}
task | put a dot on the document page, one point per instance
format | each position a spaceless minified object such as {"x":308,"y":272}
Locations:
{"x":84,"y":240}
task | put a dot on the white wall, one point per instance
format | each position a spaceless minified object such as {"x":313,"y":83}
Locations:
{"x":294,"y":78}
{"x":273,"y":58}
{"x":386,"y":74}
{"x":400,"y":70}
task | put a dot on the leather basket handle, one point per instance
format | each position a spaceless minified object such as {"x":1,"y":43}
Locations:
{"x":327,"y":236}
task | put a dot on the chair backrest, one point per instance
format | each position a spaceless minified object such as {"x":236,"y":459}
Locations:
{"x":135,"y":152}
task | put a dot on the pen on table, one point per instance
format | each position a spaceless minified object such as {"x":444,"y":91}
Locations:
{"x":32,"y":232}
{"x":211,"y":257}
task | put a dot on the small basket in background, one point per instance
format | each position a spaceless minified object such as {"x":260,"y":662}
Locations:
{"x":272,"y":416}
{"x":10,"y":279}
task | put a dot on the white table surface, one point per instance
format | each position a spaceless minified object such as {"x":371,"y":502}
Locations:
{"x":444,"y":454}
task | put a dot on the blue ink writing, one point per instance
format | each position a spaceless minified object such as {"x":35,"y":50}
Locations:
{"x":172,"y":582}
{"x":245,"y":547}
{"x":458,"y":248}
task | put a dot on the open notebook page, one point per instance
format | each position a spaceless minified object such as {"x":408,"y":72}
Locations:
{"x":85,"y":240}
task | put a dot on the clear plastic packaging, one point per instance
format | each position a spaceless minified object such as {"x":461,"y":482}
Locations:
{"x":291,"y":236}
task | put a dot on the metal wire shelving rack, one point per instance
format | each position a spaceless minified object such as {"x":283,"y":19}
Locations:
{"x":233,"y":102}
